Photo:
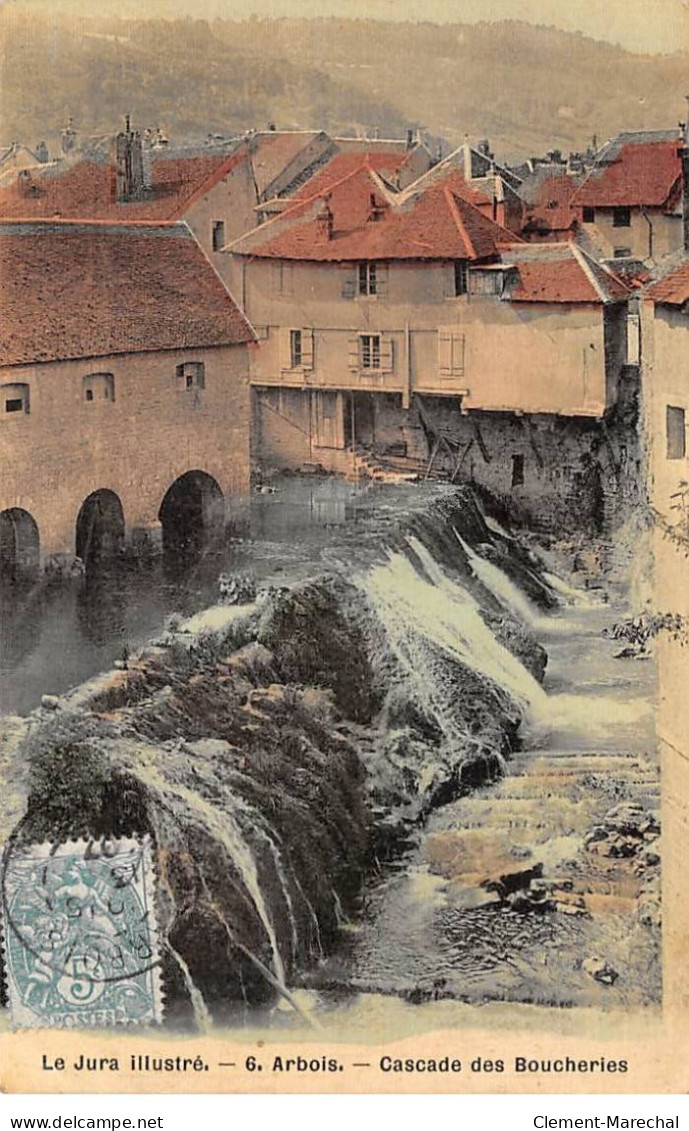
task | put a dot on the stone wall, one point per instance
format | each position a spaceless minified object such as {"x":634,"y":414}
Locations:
{"x":155,"y":430}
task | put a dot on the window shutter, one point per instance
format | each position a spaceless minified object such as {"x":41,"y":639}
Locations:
{"x":285,"y":348}
{"x":307,"y":349}
{"x":386,"y":355}
{"x":457,"y":355}
{"x":353,"y":347}
{"x":348,"y":287}
{"x":444,"y":353}
{"x":382,"y":280}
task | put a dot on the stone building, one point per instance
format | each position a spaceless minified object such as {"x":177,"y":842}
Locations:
{"x":418,"y":331}
{"x":629,"y":205}
{"x":124,"y":394}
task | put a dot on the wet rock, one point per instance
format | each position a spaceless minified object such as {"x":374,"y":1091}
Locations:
{"x":508,"y":883}
{"x":236,"y":589}
{"x":536,"y":897}
{"x":600,"y":970}
{"x":624,"y":831}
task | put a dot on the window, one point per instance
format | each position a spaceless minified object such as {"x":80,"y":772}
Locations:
{"x":15,"y":398}
{"x":589,"y":215}
{"x":676,"y":433}
{"x":621,"y":217}
{"x":295,"y":349}
{"x":370,"y":351}
{"x":218,"y":235}
{"x":191,"y":375}
{"x":98,"y":387}
{"x":622,"y":252}
{"x":486,"y":282}
{"x":461,"y":277}
{"x":517,"y":471}
{"x":368,"y":282}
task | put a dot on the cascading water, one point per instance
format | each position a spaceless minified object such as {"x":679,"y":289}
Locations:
{"x":496,"y":580}
{"x":417,"y":607}
{"x":326,"y":739}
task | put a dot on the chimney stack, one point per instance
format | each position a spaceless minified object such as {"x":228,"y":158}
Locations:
{"x":129,"y":164}
{"x":683,"y":154}
{"x":324,"y":221}
{"x":410,"y":139}
{"x":68,"y":138}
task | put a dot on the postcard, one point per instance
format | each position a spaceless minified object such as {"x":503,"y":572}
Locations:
{"x":344,"y":546}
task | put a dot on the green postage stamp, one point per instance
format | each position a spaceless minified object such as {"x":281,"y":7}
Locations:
{"x":80,"y":941}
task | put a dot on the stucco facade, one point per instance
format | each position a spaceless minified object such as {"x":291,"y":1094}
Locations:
{"x":496,"y":354}
{"x":527,"y":394}
{"x":665,"y":338}
{"x":650,"y":234}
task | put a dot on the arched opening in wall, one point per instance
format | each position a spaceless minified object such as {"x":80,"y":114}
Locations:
{"x":190,"y":512}
{"x":100,"y":528}
{"x":20,"y":549}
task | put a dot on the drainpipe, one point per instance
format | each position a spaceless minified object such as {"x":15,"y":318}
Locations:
{"x":683,"y":153}
{"x":647,"y":218}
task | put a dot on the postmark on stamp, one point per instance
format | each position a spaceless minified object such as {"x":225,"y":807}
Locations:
{"x":80,"y":940}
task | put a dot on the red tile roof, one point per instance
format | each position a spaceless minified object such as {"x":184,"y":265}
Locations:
{"x":87,"y":190}
{"x":673,"y":288}
{"x":73,"y":290}
{"x":435,"y":224}
{"x":562,"y":273}
{"x":633,"y":173}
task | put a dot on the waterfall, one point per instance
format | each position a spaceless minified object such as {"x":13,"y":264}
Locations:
{"x":415,"y":609}
{"x":500,"y":585}
{"x":225,"y":827}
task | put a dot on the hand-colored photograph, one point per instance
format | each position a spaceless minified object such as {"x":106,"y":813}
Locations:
{"x":344,"y":545}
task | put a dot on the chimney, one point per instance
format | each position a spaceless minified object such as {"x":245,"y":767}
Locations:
{"x":376,"y":208}
{"x":42,"y":154}
{"x":25,"y":183}
{"x":324,"y":221}
{"x":467,"y":159}
{"x":683,"y":154}
{"x":129,"y":164}
{"x":410,"y":139}
{"x":68,"y":138}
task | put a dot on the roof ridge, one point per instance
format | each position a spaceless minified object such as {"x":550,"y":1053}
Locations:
{"x":588,"y":264}
{"x":81,"y":222}
{"x":459,"y":220}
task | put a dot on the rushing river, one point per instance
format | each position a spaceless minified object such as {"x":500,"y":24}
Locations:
{"x":430,"y":938}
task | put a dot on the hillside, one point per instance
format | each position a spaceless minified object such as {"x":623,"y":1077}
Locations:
{"x":526,"y":88}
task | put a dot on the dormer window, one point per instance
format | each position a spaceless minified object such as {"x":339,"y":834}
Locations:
{"x":15,"y":399}
{"x":368,"y":279}
{"x":191,"y":375}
